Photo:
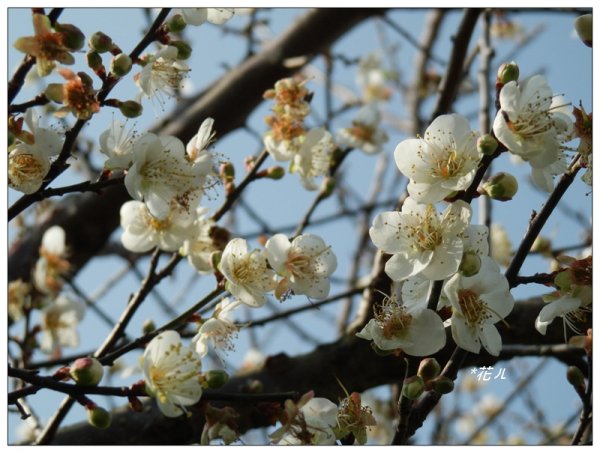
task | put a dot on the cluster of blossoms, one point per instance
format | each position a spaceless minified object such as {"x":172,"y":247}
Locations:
{"x":427,"y":245}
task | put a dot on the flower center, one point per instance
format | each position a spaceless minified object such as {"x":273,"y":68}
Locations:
{"x":167,"y":74}
{"x":449,"y":165}
{"x":392,"y":318}
{"x":300,"y":266}
{"x":26,"y":167}
{"x":427,"y":235}
{"x":363,"y":132}
{"x":473,"y":309}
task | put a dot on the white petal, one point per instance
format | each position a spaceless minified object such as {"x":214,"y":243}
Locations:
{"x":490,"y":339}
{"x":464,"y":336}
{"x":427,"y":330}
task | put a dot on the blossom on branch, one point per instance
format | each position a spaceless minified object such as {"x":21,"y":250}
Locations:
{"x":197,"y":16}
{"x":305,"y":265}
{"x":162,"y":73}
{"x":52,"y":265}
{"x":219,"y":330}
{"x":172,"y":373}
{"x":364,"y":133}
{"x":313,"y":160}
{"x":59,"y":324}
{"x":117,"y":144}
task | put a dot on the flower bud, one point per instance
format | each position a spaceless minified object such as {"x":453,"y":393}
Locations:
{"x":184,"y":50}
{"x":227,"y":171}
{"x":148,"y":326}
{"x":502,"y":186}
{"x":100,"y":42}
{"x":99,"y":417}
{"x":508,"y":72}
{"x":86,"y":371}
{"x":542,"y":245}
{"x":54,"y":92}
{"x":487,"y":145}
{"x":94,"y":60}
{"x":583,"y":26}
{"x":576,"y":378}
{"x":121,"y":65}
{"x":71,"y":37}
{"x":131,"y":109}
{"x":429,"y":368}
{"x":275,"y":173}
{"x":176,"y":24}
{"x":442,"y":385}
{"x":563,"y":280}
{"x":470,"y":264}
{"x":216,"y":378}
{"x":327,"y":187}
{"x":413,"y":387}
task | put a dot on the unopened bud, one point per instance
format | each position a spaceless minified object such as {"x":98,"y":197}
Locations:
{"x":327,"y":187}
{"x":508,"y":72}
{"x":184,"y":50}
{"x":502,"y":186}
{"x":542,"y":245}
{"x":470,"y":264}
{"x":275,"y":173}
{"x":429,"y":368}
{"x":54,"y":92}
{"x":94,"y":60}
{"x":583,"y":26}
{"x":121,"y":65}
{"x":442,"y":385}
{"x":71,"y":36}
{"x":413,"y":387}
{"x":487,"y":145}
{"x":100,"y":42}
{"x":176,"y":24}
{"x":227,"y":171}
{"x":576,"y":378}
{"x":87,"y":371}
{"x":216,"y":378}
{"x":131,"y":109}
{"x":148,"y":326}
{"x":99,"y":417}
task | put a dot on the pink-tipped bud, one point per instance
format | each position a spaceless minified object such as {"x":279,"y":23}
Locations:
{"x":87,"y":371}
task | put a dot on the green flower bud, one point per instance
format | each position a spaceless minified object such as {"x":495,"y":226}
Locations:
{"x":86,"y":371}
{"x":583,"y":26}
{"x":487,"y":145}
{"x":184,"y":50}
{"x":502,"y":186}
{"x":576,"y":378}
{"x":176,"y":24}
{"x":508,"y":72}
{"x":227,"y":171}
{"x":86,"y":79}
{"x":275,"y":173}
{"x":131,"y":109}
{"x":429,"y":368}
{"x":327,"y":187}
{"x":542,"y":245}
{"x":54,"y":92}
{"x":148,"y":326}
{"x":99,"y":418}
{"x":94,"y":60}
{"x":470,"y":264}
{"x":100,"y":42}
{"x":216,"y":378}
{"x":121,"y":65}
{"x":413,"y":387}
{"x":71,"y":36}
{"x":442,"y":385}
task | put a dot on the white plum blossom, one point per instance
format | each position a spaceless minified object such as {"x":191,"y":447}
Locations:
{"x":314,"y":157}
{"x":162,"y":73}
{"x":52,"y":265}
{"x":305,"y":264}
{"x":60,"y":319}
{"x":29,"y":162}
{"x":364,"y":133}
{"x":117,"y":144}
{"x":566,"y":307}
{"x":408,"y":325}
{"x":18,"y":297}
{"x":172,"y":373}
{"x":161,"y":174}
{"x":527,"y":123}
{"x":479,"y":302}
{"x":501,"y":246}
{"x":197,"y":16}
{"x":219,"y":330}
{"x":420,"y":240}
{"x":247,"y":274}
{"x":142,"y":231}
{"x":313,"y":424}
{"x":371,"y":78}
{"x":443,"y":162}
{"x":200,"y":245}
